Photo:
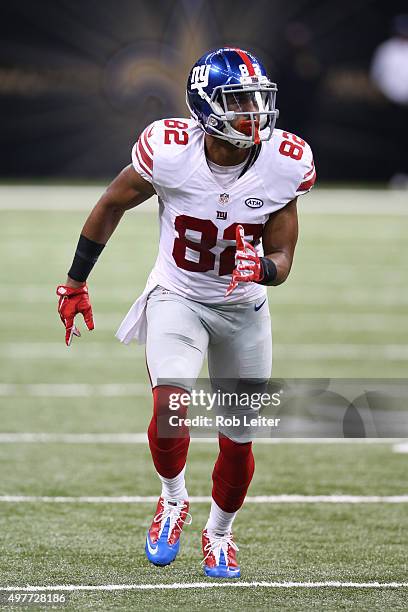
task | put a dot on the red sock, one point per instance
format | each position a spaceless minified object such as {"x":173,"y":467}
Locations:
{"x":232,"y":474}
{"x":169,"y":453}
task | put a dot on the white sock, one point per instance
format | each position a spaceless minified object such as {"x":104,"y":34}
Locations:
{"x":219,"y":520}
{"x":174,"y":488}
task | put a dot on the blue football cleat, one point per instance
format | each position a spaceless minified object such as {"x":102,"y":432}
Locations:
{"x":163,"y":537}
{"x":219,"y":555}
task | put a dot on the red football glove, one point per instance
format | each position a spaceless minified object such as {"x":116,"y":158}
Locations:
{"x":248,"y":264}
{"x":71,"y":302}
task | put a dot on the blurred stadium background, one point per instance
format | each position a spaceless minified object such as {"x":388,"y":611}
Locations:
{"x":78,"y":83}
{"x":80,"y":79}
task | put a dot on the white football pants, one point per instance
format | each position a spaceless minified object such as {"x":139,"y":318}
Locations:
{"x":180,"y":332}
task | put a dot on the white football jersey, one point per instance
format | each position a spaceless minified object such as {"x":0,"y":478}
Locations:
{"x":198,"y":218}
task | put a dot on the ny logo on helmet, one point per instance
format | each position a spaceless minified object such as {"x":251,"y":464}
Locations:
{"x":199,"y":76}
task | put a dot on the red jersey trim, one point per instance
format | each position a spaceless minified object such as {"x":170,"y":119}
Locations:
{"x":147,"y":135}
{"x":306,"y":185}
{"x":144,"y":155}
{"x":312,"y":169}
{"x":141,"y":164}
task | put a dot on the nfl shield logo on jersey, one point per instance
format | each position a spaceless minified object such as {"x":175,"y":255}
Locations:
{"x":224,"y":198}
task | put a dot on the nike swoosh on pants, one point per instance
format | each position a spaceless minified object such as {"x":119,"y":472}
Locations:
{"x":260,"y":306}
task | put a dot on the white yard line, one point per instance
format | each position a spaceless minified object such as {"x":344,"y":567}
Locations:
{"x":141,"y":438}
{"x":88,"y":389}
{"x":328,"y":296}
{"x":402,"y":447}
{"x":361,"y":321}
{"x":63,"y":198}
{"x":41,"y":293}
{"x":13,"y":293}
{"x":298,"y":352}
{"x":209,"y":585}
{"x":58,"y":350}
{"x":257,"y":499}
{"x":321,"y":201}
{"x":73,"y":438}
{"x":355,"y":202}
{"x":368,"y":352}
{"x":75,"y":390}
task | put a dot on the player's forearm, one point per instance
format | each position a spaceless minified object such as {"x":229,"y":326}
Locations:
{"x":283,"y":264}
{"x":96,"y":232}
{"x":279,"y":240}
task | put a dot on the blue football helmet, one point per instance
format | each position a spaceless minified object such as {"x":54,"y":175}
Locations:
{"x":231,"y":97}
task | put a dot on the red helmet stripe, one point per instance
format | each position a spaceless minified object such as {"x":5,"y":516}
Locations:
{"x":246,"y":61}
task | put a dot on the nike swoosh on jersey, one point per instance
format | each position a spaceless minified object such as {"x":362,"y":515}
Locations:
{"x":260,"y":306}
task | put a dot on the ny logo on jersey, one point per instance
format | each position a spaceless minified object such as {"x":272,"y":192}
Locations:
{"x":199,"y":76}
{"x":221,"y":214}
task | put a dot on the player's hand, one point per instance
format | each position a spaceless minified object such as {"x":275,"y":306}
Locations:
{"x":71,"y":302}
{"x":248,"y":266}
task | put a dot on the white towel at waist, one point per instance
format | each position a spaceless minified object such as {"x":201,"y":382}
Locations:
{"x":134,"y":325}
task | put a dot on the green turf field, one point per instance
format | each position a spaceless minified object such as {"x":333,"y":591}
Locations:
{"x":342,"y":313}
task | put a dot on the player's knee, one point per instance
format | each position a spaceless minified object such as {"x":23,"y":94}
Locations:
{"x":168,"y":444}
{"x":232,"y":448}
{"x":169,"y":413}
{"x":168,"y":399}
{"x":238,"y":456}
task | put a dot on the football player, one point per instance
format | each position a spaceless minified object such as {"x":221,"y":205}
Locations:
{"x":227,"y":184}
